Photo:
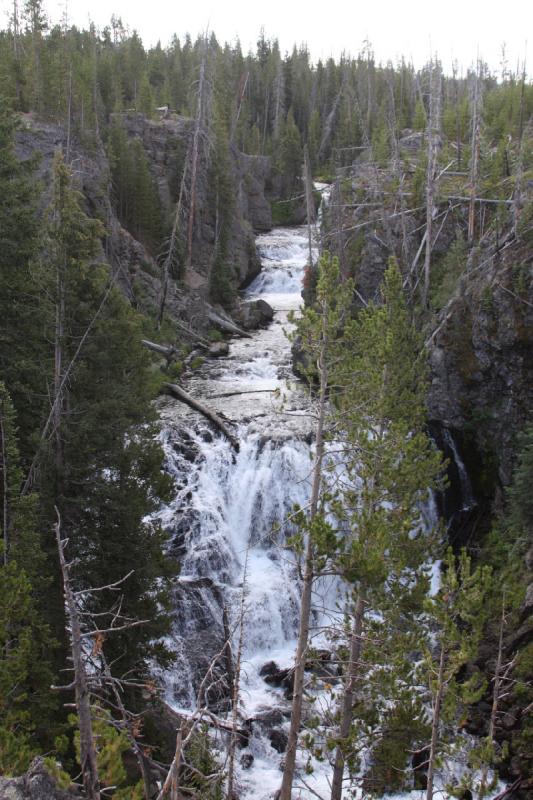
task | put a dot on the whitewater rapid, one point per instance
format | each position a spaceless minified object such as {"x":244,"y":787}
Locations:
{"x":230,"y":519}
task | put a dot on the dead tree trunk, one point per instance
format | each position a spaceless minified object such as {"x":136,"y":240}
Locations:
{"x":208,"y":413}
{"x":435,"y":723}
{"x":474,"y":159}
{"x":305,"y":609}
{"x":356,"y":644}
{"x":433,"y":135}
{"x":520,"y":162}
{"x":171,"y":784}
{"x":309,"y":202}
{"x":89,"y":767}
{"x":200,"y":142}
{"x":5,"y":483}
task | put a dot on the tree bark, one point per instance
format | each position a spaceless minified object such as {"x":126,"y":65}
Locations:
{"x":356,"y":645}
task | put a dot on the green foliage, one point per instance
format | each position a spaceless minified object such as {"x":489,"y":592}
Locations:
{"x":369,"y":529}
{"x":25,"y":644}
{"x":111,"y":744}
{"x":199,"y":754}
{"x":446,"y":273}
{"x":136,"y":196}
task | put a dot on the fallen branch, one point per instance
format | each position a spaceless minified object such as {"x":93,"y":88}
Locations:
{"x":179,"y":393}
{"x":235,"y":394}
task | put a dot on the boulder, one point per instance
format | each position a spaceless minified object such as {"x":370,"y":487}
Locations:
{"x":246,"y":760}
{"x":36,"y":784}
{"x":254,"y":314}
{"x":218,"y":349}
{"x":278,"y":739}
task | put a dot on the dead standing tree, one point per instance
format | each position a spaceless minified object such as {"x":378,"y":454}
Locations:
{"x":475,"y":146}
{"x":89,"y":767}
{"x":194,"y":176}
{"x":92,"y":675}
{"x":433,"y":147}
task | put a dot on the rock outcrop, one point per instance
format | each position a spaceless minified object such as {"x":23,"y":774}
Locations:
{"x":36,"y":784}
{"x":136,"y":270}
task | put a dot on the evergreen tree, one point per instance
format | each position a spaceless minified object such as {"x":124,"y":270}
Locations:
{"x":105,"y":485}
{"x":26,"y":705}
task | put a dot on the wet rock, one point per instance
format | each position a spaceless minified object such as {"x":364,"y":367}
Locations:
{"x":268,"y":669}
{"x":278,"y":739}
{"x":246,"y":760}
{"x":266,"y":720}
{"x":218,"y":349}
{"x":282,"y":679}
{"x":254,"y":314}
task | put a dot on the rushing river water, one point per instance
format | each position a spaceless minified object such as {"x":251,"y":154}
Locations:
{"x":228,"y":516}
{"x":229,"y":523}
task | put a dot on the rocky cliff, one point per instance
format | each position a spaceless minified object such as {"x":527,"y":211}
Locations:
{"x":136,"y":270}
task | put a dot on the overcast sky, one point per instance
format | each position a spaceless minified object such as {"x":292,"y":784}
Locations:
{"x":455,"y":29}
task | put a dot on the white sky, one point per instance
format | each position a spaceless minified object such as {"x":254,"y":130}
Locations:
{"x":455,"y":29}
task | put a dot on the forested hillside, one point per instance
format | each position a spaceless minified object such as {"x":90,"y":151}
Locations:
{"x":133,"y":184}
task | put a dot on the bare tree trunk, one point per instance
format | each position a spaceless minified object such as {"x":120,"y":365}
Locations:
{"x":309,"y":202}
{"x":200,"y":134}
{"x":435,"y":724}
{"x":305,"y":610}
{"x":474,"y":160}
{"x":433,"y":149}
{"x":495,"y":702}
{"x":89,"y":767}
{"x":356,"y":644}
{"x":57,"y":401}
{"x":240,"y":100}
{"x":279,"y":110}
{"x":172,"y":780}
{"x":5,"y":486}
{"x":520,"y":163}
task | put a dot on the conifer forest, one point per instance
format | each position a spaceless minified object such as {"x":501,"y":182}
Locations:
{"x":266,"y":421}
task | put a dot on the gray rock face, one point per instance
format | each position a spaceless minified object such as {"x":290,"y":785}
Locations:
{"x":482,"y":356}
{"x":36,"y":784}
{"x":136,"y":270}
{"x":250,"y":213}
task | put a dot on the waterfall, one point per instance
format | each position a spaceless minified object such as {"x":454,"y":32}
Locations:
{"x":234,"y":509}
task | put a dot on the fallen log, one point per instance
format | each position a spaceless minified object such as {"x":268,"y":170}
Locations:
{"x":226,"y":325}
{"x":165,"y":350}
{"x":212,"y":416}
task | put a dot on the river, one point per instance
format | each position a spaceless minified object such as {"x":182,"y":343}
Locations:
{"x":227,"y":520}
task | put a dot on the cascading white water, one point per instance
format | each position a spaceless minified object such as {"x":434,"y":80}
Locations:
{"x":232,"y":509}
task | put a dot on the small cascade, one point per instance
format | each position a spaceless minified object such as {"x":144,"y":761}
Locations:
{"x":457,"y":503}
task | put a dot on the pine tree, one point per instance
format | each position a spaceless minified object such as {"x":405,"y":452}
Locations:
{"x":26,"y":705}
{"x":104,"y":485}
